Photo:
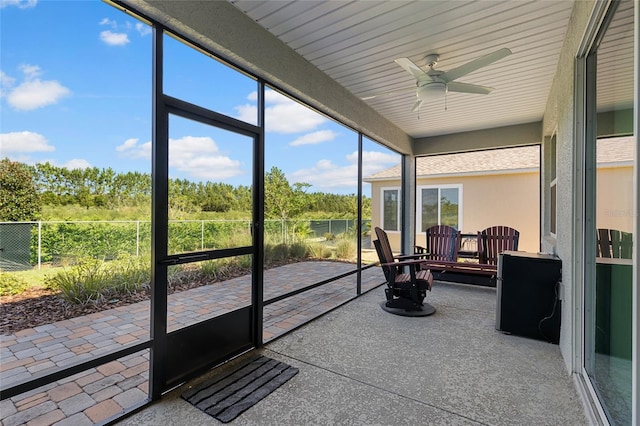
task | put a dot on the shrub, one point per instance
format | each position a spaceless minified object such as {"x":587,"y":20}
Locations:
{"x":81,"y":284}
{"x":329,"y":236}
{"x":93,"y":280}
{"x":326,"y":253}
{"x":209,"y":269}
{"x":315,"y":250}
{"x":278,"y":252}
{"x":345,"y":249}
{"x":11,"y":284}
{"x":217,"y":268}
{"x":298,"y":250}
{"x":128,"y":274}
{"x":244,"y":262}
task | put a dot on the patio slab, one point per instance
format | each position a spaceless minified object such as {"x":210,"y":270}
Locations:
{"x":361,"y":365}
{"x":100,"y":393}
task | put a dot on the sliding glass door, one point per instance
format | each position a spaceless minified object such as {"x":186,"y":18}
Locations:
{"x":610,"y":152}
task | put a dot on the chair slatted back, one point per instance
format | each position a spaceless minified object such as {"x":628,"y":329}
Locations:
{"x":383,"y":260}
{"x":494,"y":240}
{"x":612,"y":243}
{"x":604,"y":242}
{"x":443,"y":243}
{"x":383,"y":248}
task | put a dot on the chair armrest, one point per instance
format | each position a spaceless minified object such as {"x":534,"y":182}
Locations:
{"x":411,"y":256}
{"x":404,"y":263}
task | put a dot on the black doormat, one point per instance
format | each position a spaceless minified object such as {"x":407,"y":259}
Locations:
{"x":227,"y":397}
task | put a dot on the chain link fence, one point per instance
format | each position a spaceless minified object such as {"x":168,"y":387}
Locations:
{"x":24,"y":245}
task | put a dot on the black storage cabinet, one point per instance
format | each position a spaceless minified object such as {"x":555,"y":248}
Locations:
{"x":528,"y":301}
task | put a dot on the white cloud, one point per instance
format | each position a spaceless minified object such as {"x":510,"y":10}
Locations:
{"x":129,"y":144}
{"x":30,"y":72}
{"x":114,"y":39}
{"x":247,"y":113}
{"x":6,"y":83}
{"x":77,"y":163}
{"x":143,"y":29}
{"x":32,"y":93}
{"x":22,"y":4}
{"x":315,"y":138}
{"x":376,"y":159}
{"x":118,"y":35}
{"x":109,"y":22}
{"x":326,"y":175}
{"x":282,"y":115}
{"x":36,"y":94}
{"x":24,"y":142}
{"x":131,"y":149}
{"x":196,"y":156}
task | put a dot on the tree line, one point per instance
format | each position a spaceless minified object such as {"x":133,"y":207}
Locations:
{"x":25,"y":189}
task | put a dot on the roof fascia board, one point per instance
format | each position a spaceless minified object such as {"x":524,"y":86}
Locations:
{"x":463,"y":174}
{"x":501,"y":172}
{"x":602,"y":165}
{"x":614,"y":164}
{"x":230,"y":34}
{"x":499,"y":137}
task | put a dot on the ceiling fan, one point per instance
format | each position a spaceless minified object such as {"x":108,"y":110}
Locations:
{"x":433,"y":82}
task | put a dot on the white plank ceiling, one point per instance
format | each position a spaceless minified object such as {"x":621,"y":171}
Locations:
{"x":356,"y":42}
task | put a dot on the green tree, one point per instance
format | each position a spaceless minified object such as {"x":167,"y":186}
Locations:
{"x":244,"y":198}
{"x":19,"y":198}
{"x":216,"y":197}
{"x":281,"y":200}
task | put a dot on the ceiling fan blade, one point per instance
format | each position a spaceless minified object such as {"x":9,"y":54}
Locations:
{"x":468,"y":88}
{"x":410,"y":67}
{"x":388,"y":93}
{"x":416,"y":106}
{"x":476,"y":64}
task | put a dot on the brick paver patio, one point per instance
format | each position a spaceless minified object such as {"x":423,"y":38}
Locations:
{"x":96,"y":395}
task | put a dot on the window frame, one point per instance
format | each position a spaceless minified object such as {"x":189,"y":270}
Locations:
{"x":398,"y":189}
{"x":440,"y":187}
{"x":553,"y":185}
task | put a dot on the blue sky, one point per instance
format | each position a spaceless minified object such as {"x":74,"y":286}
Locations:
{"x":76,"y":91}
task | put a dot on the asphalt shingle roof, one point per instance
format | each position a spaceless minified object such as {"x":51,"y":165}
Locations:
{"x":507,"y":160}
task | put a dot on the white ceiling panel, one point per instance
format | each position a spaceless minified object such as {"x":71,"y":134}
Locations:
{"x":356,"y":42}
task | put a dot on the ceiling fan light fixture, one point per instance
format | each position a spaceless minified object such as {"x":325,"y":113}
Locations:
{"x":432,"y":91}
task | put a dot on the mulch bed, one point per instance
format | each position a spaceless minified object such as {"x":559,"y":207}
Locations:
{"x":38,"y":306}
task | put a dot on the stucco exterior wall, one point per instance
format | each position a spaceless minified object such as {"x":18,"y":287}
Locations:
{"x":560,"y":114}
{"x":508,"y":200}
{"x":487,"y":200}
{"x":614,"y":201}
{"x":513,"y":200}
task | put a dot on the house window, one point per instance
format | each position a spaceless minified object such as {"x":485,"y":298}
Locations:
{"x":440,"y":205}
{"x":391,"y":209}
{"x":553,"y":185}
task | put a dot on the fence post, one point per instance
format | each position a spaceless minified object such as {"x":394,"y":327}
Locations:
{"x":202,"y":235}
{"x":137,"y":238}
{"x":39,"y":244}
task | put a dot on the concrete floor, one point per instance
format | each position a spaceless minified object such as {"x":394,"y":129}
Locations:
{"x":362,"y":366}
